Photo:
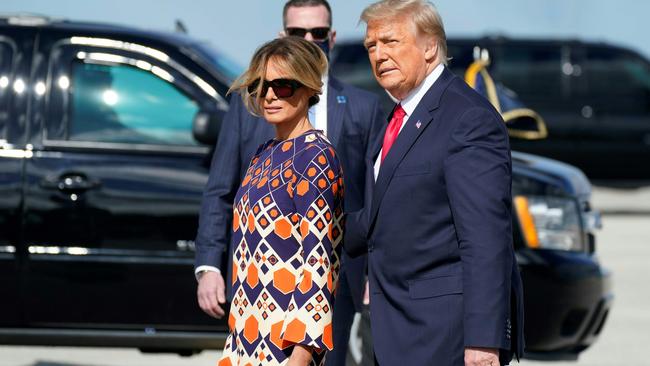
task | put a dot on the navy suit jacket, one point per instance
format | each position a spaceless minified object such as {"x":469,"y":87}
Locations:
{"x":438,"y":234}
{"x":353,"y":123}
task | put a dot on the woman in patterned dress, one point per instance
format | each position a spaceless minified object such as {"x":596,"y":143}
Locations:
{"x":287,"y":218}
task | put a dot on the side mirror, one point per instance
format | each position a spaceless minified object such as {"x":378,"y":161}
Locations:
{"x":525,"y":124}
{"x":206,"y":126}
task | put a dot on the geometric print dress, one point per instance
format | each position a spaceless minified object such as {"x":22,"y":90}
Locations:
{"x":288,"y":223}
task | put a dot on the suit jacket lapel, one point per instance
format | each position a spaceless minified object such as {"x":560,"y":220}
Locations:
{"x":413,"y":128}
{"x":336,"y":104}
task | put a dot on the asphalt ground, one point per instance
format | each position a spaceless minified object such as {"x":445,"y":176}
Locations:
{"x":623,"y":247}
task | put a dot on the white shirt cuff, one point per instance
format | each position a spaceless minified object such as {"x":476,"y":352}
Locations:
{"x":200,"y":269}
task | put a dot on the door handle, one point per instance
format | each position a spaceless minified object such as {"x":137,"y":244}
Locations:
{"x":71,"y":183}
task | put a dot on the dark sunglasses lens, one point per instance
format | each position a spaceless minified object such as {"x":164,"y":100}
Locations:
{"x":283,"y":88}
{"x":297,"y":32}
{"x":252,"y":88}
{"x":320,"y":33}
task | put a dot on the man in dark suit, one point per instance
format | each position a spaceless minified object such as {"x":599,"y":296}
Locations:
{"x":351,"y":119}
{"x":444,"y":285}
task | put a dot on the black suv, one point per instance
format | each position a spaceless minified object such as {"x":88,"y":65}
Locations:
{"x":105,"y":143}
{"x":101,"y":180}
{"x":595,"y":98}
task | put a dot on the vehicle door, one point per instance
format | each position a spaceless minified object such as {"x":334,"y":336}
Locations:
{"x":540,"y":75}
{"x":615,"y":93}
{"x":15,"y":86}
{"x":114,"y":188}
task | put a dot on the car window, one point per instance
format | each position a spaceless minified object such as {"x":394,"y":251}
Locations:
{"x":350,"y":55}
{"x":533,"y":71}
{"x":462,"y":55}
{"x":125,"y":104}
{"x":618,"y":81}
{"x":6,"y":54}
{"x":350,"y":63}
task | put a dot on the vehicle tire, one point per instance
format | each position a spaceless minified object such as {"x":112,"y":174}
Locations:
{"x":180,"y":352}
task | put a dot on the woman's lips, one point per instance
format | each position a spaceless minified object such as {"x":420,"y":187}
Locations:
{"x":272,"y":110}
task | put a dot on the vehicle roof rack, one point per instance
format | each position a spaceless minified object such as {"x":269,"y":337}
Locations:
{"x":27,"y":19}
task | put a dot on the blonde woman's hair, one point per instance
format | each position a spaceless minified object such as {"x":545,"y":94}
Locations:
{"x":422,"y":13}
{"x":302,"y":60}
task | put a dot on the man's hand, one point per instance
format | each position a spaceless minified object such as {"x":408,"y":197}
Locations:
{"x":475,"y":356}
{"x":211,"y":293}
{"x":300,"y":356}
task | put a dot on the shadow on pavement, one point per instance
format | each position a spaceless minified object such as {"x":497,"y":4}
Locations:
{"x":47,"y":363}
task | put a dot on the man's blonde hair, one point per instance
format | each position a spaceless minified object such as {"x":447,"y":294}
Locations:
{"x":422,"y":13}
{"x":302,"y":60}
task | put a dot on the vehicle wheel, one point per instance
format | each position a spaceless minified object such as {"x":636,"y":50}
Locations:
{"x":360,"y":345}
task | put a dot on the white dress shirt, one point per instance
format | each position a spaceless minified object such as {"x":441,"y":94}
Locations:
{"x":320,"y":109}
{"x":411,"y":102}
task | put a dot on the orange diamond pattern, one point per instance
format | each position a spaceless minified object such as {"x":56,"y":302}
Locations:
{"x":287,"y":226}
{"x":251,"y":329}
{"x":284,"y":280}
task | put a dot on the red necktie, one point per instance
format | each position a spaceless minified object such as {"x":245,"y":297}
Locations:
{"x":393,"y":130}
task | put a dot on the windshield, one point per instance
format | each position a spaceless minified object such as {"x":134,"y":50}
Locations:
{"x":224,"y":64}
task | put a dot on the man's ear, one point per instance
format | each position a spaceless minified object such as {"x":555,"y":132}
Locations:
{"x":332,"y":38}
{"x":431,"y":50}
{"x":282,"y":34}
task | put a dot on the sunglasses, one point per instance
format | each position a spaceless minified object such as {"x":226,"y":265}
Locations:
{"x":319,"y":33}
{"x":283,"y":88}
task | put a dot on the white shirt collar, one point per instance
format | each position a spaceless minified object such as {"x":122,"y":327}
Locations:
{"x":413,"y":99}
{"x":325,"y":79}
{"x":320,"y":109}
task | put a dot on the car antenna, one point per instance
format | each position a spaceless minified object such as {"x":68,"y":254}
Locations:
{"x":180,"y":27}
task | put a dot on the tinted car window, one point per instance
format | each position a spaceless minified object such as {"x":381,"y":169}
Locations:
{"x":462,"y":55}
{"x":535,"y":72}
{"x":350,"y":63}
{"x":618,"y":81}
{"x":5,"y":86}
{"x":121,"y":103}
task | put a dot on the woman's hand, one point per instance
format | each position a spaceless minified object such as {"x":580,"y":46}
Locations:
{"x":300,"y":356}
